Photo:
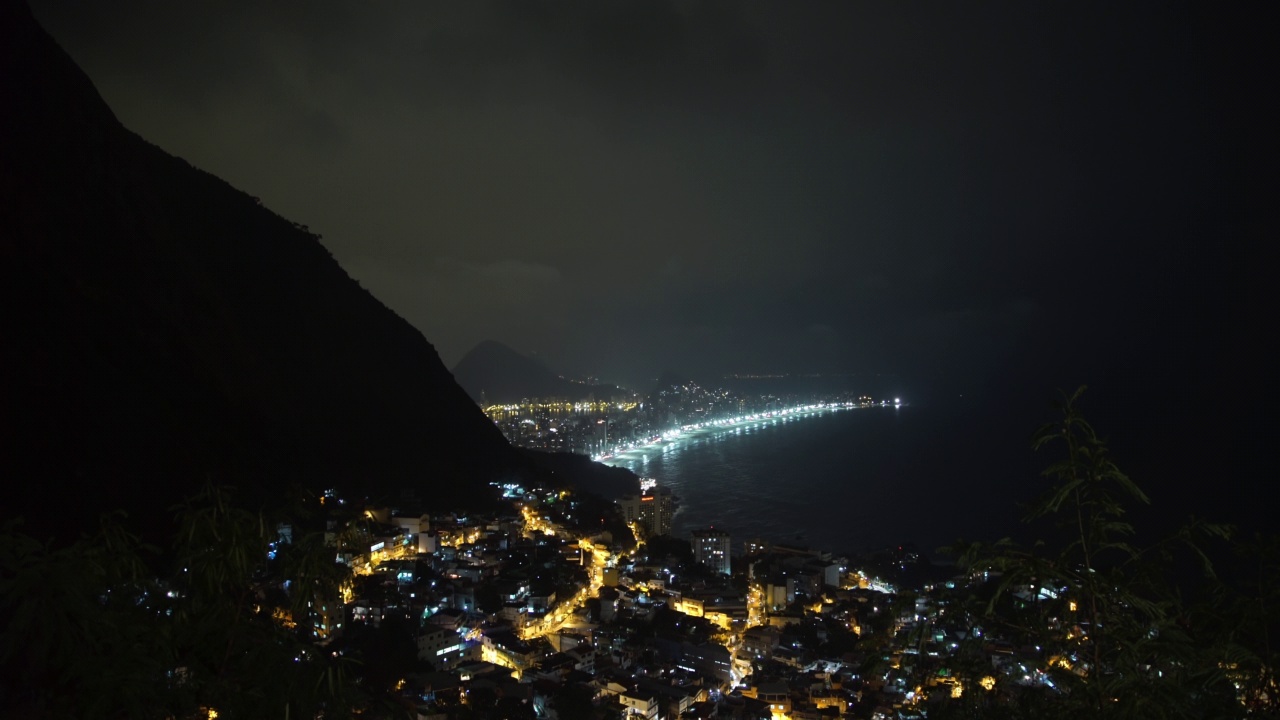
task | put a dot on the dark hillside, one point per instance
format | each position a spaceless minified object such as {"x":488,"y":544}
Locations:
{"x":161,"y":327}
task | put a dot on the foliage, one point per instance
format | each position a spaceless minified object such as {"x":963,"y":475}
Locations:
{"x":661,"y":547}
{"x":66,"y":611}
{"x":104,"y":627}
{"x":574,"y":702}
{"x":488,"y":599}
{"x":1105,"y":632}
{"x":1243,"y":615}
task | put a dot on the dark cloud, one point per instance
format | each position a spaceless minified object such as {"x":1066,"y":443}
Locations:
{"x":726,"y":186}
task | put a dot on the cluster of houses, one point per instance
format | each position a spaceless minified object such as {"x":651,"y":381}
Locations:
{"x":537,"y":614}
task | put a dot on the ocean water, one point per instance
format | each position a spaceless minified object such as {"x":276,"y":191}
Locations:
{"x":849,"y":480}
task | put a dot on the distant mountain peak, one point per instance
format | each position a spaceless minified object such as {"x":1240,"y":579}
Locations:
{"x":501,"y":374}
{"x":495,"y":349}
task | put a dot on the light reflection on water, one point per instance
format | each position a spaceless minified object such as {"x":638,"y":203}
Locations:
{"x":840,"y":480}
{"x":742,"y":479}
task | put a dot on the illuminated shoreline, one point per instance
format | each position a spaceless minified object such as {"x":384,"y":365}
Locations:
{"x":673,"y":437}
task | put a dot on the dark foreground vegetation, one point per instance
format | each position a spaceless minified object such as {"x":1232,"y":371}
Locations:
{"x":1180,"y":626}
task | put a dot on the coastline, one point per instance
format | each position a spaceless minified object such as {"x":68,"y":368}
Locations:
{"x":717,"y":485}
{"x":740,"y":422}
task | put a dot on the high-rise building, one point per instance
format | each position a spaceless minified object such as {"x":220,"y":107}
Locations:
{"x":651,"y":510}
{"x":711,"y":548}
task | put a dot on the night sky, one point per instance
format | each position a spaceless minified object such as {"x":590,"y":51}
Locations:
{"x":966,"y":197}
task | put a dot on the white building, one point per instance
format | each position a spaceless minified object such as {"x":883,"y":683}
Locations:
{"x":711,"y":548}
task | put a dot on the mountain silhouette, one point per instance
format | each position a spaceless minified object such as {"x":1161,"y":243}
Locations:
{"x":668,"y":381}
{"x":162,"y":329}
{"x":503,"y":375}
